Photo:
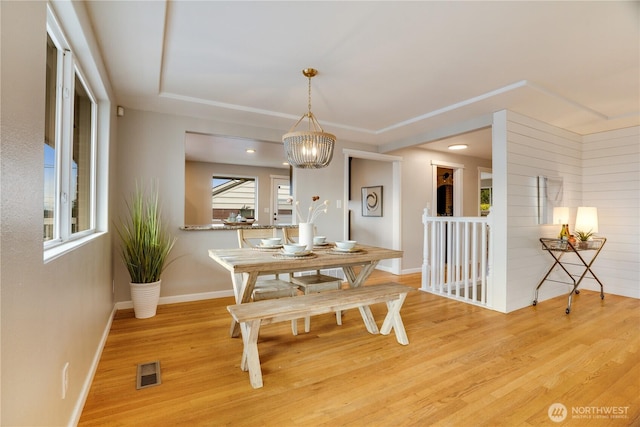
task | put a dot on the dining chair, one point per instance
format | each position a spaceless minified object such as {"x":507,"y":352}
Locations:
{"x":267,"y":288}
{"x":312,"y":282}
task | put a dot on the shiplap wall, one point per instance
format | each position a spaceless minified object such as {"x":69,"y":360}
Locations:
{"x":534,"y":149}
{"x":611,"y":182}
{"x":589,"y":167}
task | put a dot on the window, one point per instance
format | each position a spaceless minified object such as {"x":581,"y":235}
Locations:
{"x":232,"y":195}
{"x":69,"y":145}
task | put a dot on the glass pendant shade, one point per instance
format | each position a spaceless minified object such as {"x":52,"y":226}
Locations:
{"x":311,"y":149}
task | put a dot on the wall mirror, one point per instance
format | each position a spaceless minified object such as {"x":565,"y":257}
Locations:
{"x":550,"y":193}
{"x":244,"y":162}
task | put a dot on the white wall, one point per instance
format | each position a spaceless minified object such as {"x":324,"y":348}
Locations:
{"x":533,"y":148}
{"x":611,"y":182}
{"x":56,"y":312}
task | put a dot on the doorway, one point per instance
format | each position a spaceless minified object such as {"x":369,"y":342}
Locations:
{"x":444,"y":205}
{"x":447,"y":189}
{"x":281,"y":202}
{"x":485,"y":189}
{"x":392,"y":203}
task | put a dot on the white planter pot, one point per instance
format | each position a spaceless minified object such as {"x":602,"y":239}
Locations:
{"x":145,"y":297}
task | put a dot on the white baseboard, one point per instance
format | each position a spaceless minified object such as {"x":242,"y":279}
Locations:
{"x":86,"y":386}
{"x":181,"y":298}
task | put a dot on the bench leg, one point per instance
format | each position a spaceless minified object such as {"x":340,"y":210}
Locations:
{"x":250,"y":358}
{"x":369,"y":321}
{"x":393,"y":320}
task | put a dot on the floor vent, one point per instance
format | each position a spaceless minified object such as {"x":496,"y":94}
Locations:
{"x":148,"y":375}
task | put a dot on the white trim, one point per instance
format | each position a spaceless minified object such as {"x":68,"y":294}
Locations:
{"x":86,"y":386}
{"x":396,"y":205}
{"x":70,"y":69}
{"x":458,"y":179}
{"x":181,"y":298}
{"x":273,"y":202}
{"x":57,"y":251}
{"x":371,"y":155}
{"x":447,"y":164}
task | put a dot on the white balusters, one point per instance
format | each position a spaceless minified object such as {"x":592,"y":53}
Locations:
{"x":456,"y":257}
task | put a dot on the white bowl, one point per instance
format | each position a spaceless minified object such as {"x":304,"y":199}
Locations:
{"x":272,"y":241}
{"x":346,"y":244}
{"x":318,"y":240}
{"x":294,"y":248}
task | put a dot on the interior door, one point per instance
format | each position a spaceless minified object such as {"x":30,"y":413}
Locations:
{"x":445,"y":200}
{"x":281,"y":203}
{"x":447,"y":189}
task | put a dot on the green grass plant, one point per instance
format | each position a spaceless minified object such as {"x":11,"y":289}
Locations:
{"x":145,"y":241}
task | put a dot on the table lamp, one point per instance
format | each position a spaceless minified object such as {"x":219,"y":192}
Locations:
{"x":587,"y":220}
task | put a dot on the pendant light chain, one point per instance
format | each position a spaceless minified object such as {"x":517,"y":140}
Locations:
{"x":309,"y":104}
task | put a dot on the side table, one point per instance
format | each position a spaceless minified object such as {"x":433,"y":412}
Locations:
{"x":557,"y":248}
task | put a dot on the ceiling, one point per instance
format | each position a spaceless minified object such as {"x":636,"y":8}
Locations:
{"x":391,"y":74}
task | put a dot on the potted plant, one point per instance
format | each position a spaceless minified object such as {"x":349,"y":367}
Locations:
{"x":584,"y":237}
{"x":145,"y":247}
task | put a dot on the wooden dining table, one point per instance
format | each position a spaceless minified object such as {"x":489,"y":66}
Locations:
{"x":247,"y":264}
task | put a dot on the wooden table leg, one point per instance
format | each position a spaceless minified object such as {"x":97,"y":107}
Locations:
{"x":359,"y":279}
{"x":393,"y":320}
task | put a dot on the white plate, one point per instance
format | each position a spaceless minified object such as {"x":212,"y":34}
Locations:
{"x":270,"y":246}
{"x":321,"y":244}
{"x":303,"y":253}
{"x":337,"y":249}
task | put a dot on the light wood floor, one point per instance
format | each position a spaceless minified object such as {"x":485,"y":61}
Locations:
{"x":464,"y":366}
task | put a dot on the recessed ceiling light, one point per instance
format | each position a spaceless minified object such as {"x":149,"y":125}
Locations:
{"x":458,"y":147}
{"x":250,"y":150}
{"x":285,"y":163}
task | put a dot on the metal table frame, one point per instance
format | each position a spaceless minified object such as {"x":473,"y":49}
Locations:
{"x":557,"y":248}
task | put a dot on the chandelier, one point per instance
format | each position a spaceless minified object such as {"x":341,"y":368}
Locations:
{"x":313,"y":148}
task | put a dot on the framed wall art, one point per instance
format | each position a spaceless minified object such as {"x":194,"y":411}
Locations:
{"x":372,"y":201}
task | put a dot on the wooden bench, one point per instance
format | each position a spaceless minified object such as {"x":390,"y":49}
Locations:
{"x":252,"y":315}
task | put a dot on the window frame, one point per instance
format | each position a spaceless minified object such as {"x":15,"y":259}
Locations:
{"x":68,"y":70}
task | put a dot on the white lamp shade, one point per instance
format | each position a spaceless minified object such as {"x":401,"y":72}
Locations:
{"x":561,"y":215}
{"x":587,"y":220}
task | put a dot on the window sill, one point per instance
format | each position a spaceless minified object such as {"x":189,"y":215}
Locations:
{"x":57,"y":251}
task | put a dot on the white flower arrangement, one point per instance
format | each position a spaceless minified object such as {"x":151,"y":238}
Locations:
{"x":314,"y":209}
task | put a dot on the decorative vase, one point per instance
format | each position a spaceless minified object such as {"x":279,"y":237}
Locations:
{"x":145,"y":297}
{"x":305,"y":234}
